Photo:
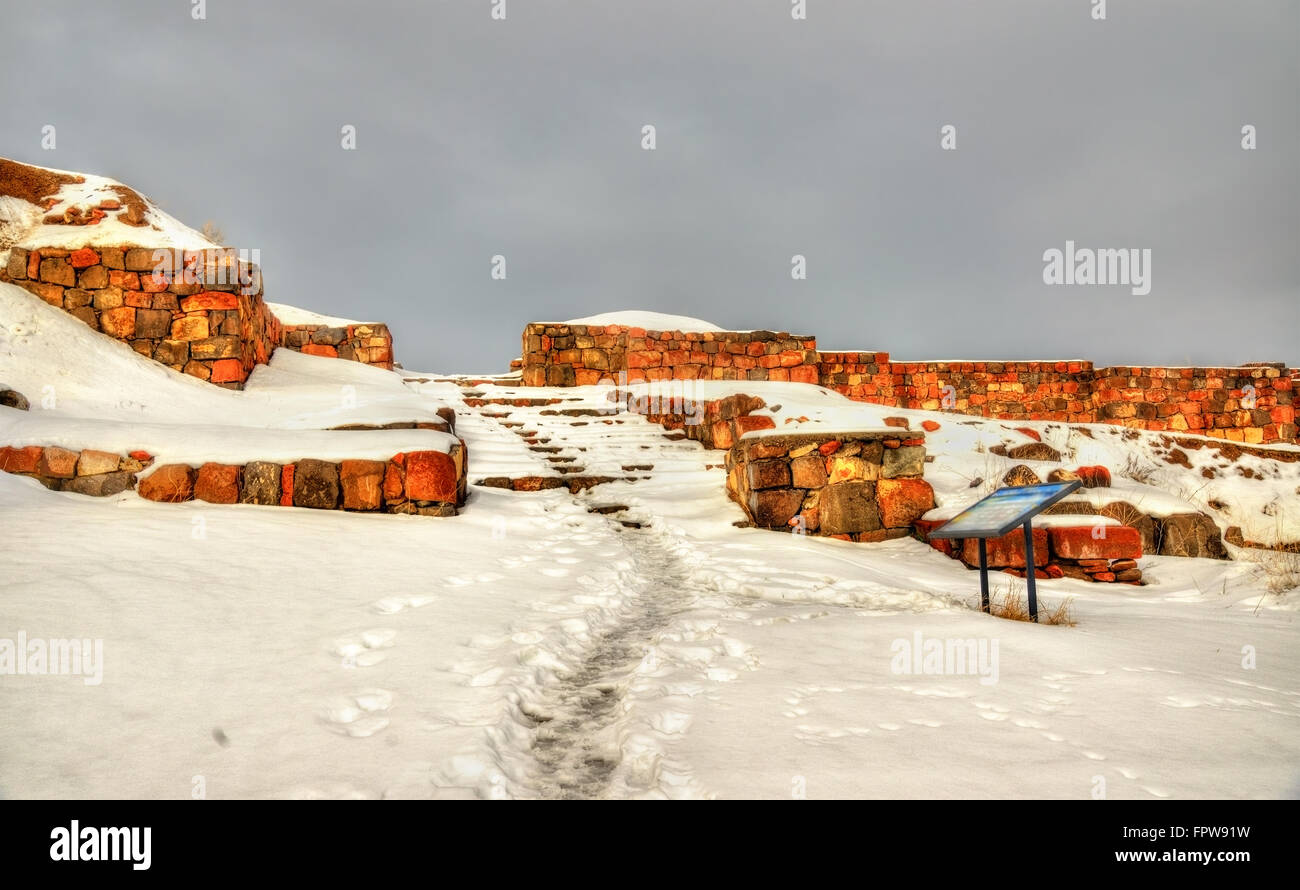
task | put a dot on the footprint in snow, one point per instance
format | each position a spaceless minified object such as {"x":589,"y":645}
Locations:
{"x":364,"y":649}
{"x":359,"y":715}
{"x":390,"y":605}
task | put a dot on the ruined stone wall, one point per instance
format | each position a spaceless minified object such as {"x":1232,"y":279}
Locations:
{"x":198,"y":312}
{"x":426,"y":483}
{"x":191,"y":317}
{"x":370,"y":344}
{"x":578,"y":355}
{"x":860,"y":486}
{"x":1250,"y":404}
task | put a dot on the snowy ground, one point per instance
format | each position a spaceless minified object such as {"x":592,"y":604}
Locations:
{"x":530,"y":647}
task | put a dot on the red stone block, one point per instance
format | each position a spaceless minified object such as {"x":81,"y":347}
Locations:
{"x":1094,"y":477}
{"x":929,"y":426}
{"x":34,"y":265}
{"x":1104,"y":576}
{"x":722,"y":437}
{"x":217,"y":483}
{"x":829,"y":448}
{"x":124,"y":280}
{"x":211,"y":299}
{"x":59,"y":463}
{"x":903,"y":501}
{"x":1008,"y":550}
{"x":286,"y":485}
{"x":83,"y":258}
{"x":20,"y":460}
{"x":363,"y":483}
{"x":749,"y":422}
{"x":227,"y":370}
{"x":1033,"y":434}
{"x":1096,"y":542}
{"x":804,"y":374}
{"x":142,"y":456}
{"x":170,"y":484}
{"x":394,"y":484}
{"x":321,"y":349}
{"x":155,"y":283}
{"x":431,"y":476}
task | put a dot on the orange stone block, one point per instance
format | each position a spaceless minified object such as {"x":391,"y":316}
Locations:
{"x":20,"y":460}
{"x":83,"y":258}
{"x":191,"y":327}
{"x":211,"y":299}
{"x":217,"y":483}
{"x":170,"y":484}
{"x":431,"y":476}
{"x":227,"y":370}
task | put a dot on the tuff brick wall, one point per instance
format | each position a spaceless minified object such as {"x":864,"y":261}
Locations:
{"x":198,"y":312}
{"x":1208,"y":401}
{"x":426,"y":483}
{"x":1251,"y":404}
{"x":370,"y":344}
{"x":860,"y":486}
{"x":578,"y":355}
{"x":1020,"y":390}
{"x":1086,"y":552}
{"x":191,"y":317}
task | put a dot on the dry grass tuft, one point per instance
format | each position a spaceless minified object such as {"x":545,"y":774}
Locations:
{"x":1138,"y":470}
{"x":1013,"y":605}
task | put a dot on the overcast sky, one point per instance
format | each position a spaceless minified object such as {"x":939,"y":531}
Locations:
{"x":775,"y":137}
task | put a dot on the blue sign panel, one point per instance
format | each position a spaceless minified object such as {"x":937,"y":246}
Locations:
{"x":1003,"y":510}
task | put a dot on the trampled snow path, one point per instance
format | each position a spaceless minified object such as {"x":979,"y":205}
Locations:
{"x":740,"y":663}
{"x":577,"y":747}
{"x":606,"y":721}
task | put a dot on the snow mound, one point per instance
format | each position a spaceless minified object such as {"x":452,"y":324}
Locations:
{"x":22,"y":222}
{"x":651,"y":321}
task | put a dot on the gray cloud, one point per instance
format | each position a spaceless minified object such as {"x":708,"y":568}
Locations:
{"x":775,"y":137}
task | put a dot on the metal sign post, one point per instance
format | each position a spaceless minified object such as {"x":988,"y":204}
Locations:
{"x":998,"y":514}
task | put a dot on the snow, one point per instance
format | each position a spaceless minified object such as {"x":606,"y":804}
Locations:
{"x":292,"y":315}
{"x":651,"y":321}
{"x":532,"y":648}
{"x":163,"y":229}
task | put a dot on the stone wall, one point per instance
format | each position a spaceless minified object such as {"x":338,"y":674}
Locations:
{"x":716,"y":423}
{"x":370,"y":344}
{"x":186,"y":311}
{"x":426,"y":483}
{"x":862,"y":376}
{"x":860,"y":486}
{"x":1207,"y":401}
{"x":1250,"y":404}
{"x":1089,"y":551}
{"x":198,"y":312}
{"x":579,"y":355}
